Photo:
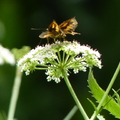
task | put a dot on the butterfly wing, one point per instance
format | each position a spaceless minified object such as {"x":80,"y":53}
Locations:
{"x":69,"y":26}
{"x":52,"y":31}
{"x":45,"y":34}
{"x":54,"y":27}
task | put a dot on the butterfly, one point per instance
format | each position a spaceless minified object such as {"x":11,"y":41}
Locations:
{"x":59,"y":31}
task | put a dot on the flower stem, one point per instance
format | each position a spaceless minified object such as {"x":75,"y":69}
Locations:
{"x":71,"y":113}
{"x":15,"y":92}
{"x":74,"y":96}
{"x":106,"y":93}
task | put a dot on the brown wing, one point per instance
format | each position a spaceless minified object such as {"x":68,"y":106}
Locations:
{"x":54,"y":27}
{"x":45,"y":34}
{"x":52,"y":31}
{"x":69,"y":25}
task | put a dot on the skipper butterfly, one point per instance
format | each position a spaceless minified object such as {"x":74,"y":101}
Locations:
{"x":59,"y":31}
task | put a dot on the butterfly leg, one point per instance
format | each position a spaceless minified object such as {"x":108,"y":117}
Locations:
{"x":47,"y":40}
{"x":54,"y":39}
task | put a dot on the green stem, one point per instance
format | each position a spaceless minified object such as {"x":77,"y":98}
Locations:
{"x":74,"y":96}
{"x":71,"y":113}
{"x":14,"y":96}
{"x":37,"y":68}
{"x":106,"y":93}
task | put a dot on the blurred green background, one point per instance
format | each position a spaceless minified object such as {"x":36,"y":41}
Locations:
{"x":99,"y":25}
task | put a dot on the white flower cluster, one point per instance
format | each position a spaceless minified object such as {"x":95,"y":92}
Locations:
{"x":6,"y":56}
{"x":58,"y":56}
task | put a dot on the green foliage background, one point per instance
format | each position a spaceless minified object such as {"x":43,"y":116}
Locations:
{"x":99,"y":25}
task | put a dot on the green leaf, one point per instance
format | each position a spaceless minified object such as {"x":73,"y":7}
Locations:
{"x":94,"y":106}
{"x":109,"y":103}
{"x":117,"y":96}
{"x":24,"y":50}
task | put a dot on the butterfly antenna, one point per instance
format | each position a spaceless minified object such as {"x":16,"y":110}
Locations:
{"x":37,"y":28}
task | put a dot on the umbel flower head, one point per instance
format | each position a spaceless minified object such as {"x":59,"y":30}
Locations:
{"x":58,"y":57}
{"x":6,"y":56}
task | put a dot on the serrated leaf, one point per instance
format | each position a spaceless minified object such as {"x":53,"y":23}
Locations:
{"x":109,"y":103}
{"x":94,"y":106}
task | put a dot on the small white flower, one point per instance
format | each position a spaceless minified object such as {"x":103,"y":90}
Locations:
{"x":6,"y":56}
{"x":60,"y":56}
{"x":27,"y":72}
